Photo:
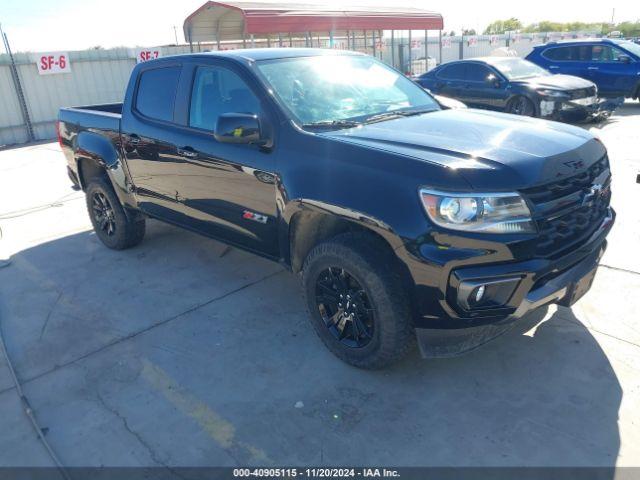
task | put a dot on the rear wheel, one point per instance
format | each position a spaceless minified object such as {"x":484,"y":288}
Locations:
{"x":112,"y":225}
{"x":521,"y":106}
{"x":356,"y":301}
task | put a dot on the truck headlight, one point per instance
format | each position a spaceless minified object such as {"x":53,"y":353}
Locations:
{"x":490,"y":212}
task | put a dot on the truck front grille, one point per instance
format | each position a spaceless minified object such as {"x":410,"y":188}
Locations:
{"x":568,"y":212}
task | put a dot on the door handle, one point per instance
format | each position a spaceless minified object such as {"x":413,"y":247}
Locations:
{"x":553,"y":67}
{"x":188,"y":152}
{"x":134,"y":139}
{"x":592,"y":68}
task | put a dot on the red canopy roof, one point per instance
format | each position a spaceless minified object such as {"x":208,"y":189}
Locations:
{"x":230,"y":20}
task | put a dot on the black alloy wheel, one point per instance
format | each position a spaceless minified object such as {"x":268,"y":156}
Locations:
{"x":113,"y":226}
{"x":345,"y":307}
{"x":357,"y":301}
{"x":103,"y":213}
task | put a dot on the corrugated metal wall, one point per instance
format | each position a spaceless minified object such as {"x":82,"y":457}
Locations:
{"x":12,"y":129}
{"x":101,"y":76}
{"x":97,"y":76}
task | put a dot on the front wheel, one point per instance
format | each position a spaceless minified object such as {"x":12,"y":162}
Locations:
{"x":110,"y":222}
{"x":356,"y":301}
{"x":521,"y":106}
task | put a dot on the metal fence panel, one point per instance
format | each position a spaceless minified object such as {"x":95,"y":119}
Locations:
{"x":96,"y":77}
{"x":12,"y":129}
{"x":101,"y":76}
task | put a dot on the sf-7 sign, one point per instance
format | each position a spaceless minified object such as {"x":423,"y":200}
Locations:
{"x":146,"y":54}
{"x":53,"y":62}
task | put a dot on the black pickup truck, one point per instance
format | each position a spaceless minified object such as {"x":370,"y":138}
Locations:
{"x":405,"y":220}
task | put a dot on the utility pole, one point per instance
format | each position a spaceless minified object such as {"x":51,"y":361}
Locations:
{"x":175,"y":32}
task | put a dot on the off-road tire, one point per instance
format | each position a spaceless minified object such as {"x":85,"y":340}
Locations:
{"x":128,"y":231}
{"x":373,"y":267}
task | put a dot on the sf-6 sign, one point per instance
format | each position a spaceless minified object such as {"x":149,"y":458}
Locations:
{"x":53,"y":62}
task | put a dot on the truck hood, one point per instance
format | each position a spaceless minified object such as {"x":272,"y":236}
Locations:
{"x":556,"y":82}
{"x":490,"y":150}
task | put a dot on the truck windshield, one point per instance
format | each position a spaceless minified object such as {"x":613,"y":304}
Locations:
{"x":517,"y":68}
{"x":340,"y":91}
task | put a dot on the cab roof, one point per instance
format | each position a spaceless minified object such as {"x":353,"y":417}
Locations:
{"x":578,"y":41}
{"x":256,"y":54}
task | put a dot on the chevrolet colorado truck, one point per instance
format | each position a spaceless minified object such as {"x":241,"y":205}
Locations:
{"x":405,"y":221}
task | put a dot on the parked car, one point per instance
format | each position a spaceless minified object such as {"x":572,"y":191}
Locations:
{"x":419,"y":64}
{"x":613,"y":65}
{"x":516,"y":86}
{"x":404,"y":220}
{"x":447,"y":102}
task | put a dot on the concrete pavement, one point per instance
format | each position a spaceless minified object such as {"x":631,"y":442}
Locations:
{"x":174,"y":354}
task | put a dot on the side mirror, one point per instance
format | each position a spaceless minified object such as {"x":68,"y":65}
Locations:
{"x":624,"y":58}
{"x":238,"y":128}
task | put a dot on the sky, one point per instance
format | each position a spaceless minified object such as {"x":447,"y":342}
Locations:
{"x":40,"y":25}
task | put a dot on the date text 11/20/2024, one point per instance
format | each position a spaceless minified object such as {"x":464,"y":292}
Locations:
{"x":316,"y":472}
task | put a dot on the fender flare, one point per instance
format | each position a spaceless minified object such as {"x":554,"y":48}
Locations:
{"x":360,"y":219}
{"x":97,"y":148}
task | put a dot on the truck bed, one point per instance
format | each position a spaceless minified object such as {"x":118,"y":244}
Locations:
{"x":102,"y":117}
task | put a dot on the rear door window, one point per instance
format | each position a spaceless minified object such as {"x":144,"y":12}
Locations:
{"x":569,"y":54}
{"x":453,"y":72}
{"x":157,"y":92}
{"x":218,"y":90}
{"x":477,"y":73}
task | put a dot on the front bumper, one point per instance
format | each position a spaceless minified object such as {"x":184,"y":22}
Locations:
{"x":541,"y":282}
{"x":575,"y":111}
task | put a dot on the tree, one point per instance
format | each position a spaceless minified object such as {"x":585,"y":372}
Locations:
{"x":628,"y":29}
{"x":469,"y":32}
{"x":547,"y":26}
{"x":501,"y":26}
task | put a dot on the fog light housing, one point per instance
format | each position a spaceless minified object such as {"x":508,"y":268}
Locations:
{"x":488,"y":293}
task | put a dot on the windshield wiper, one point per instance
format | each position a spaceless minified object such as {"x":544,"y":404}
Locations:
{"x":332,"y":124}
{"x":380,"y":117}
{"x":420,"y":111}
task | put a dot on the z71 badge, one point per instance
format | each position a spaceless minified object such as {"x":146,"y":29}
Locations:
{"x":256,"y":217}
